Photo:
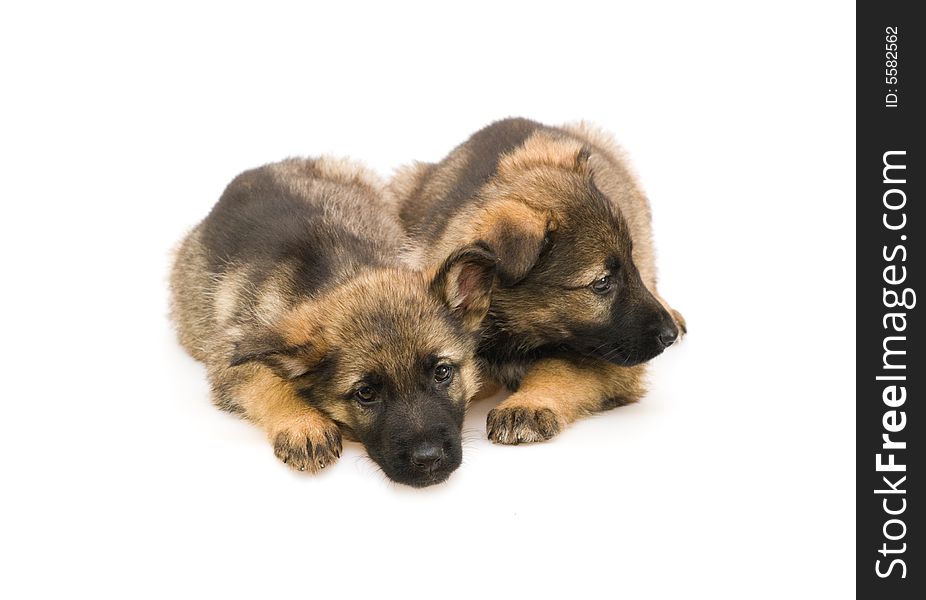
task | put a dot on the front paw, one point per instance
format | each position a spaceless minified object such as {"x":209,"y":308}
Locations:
{"x":308,"y":449}
{"x":517,"y":425}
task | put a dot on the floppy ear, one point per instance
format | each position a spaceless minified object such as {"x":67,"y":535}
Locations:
{"x":517,"y":234}
{"x":464,"y":283}
{"x":285,"y":360}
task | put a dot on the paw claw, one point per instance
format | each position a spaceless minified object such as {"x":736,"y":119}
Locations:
{"x":516,"y":425}
{"x":308,"y":450}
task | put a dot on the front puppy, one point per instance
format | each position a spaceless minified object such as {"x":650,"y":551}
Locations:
{"x":291,"y":293}
{"x":577,"y":311}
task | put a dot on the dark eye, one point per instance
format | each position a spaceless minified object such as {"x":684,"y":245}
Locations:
{"x":365,"y":395}
{"x":442,"y":373}
{"x":602,"y":285}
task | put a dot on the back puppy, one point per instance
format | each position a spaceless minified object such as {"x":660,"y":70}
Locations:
{"x":291,"y":293}
{"x":577,"y":311}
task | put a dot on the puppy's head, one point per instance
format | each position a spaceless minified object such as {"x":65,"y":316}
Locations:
{"x":389,"y":356}
{"x":566,"y":260}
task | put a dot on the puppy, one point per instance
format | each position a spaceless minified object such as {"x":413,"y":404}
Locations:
{"x":577,"y":312}
{"x":292,"y":294}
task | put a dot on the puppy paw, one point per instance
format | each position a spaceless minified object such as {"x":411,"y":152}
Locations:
{"x":517,"y":425}
{"x":308,"y":448}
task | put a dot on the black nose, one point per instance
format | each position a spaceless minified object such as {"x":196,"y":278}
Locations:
{"x":668,"y":333}
{"x":427,"y":456}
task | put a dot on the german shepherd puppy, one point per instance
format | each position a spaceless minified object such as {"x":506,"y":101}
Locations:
{"x":577,"y":311}
{"x":292,"y":294}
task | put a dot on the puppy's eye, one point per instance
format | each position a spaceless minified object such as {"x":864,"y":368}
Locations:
{"x":442,"y":373}
{"x":602,"y":285}
{"x":365,"y":395}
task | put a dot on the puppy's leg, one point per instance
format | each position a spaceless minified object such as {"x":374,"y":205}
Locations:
{"x":556,"y":392}
{"x":302,"y":437}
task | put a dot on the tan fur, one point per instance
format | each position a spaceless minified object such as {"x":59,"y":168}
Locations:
{"x":490,"y":223}
{"x":617,"y":180}
{"x":302,"y":436}
{"x":204,"y":309}
{"x":302,"y":176}
{"x":540,"y":151}
{"x":567,"y":391}
{"x":526,"y":190}
{"x":190,"y":298}
{"x":258,"y":328}
{"x":315,"y":321}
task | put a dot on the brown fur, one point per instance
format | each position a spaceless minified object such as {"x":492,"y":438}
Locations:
{"x":565,"y":390}
{"x":514,"y":192}
{"x":291,"y":292}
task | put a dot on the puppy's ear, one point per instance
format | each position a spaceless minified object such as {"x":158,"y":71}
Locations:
{"x":464,"y":283}
{"x":288,"y":362}
{"x":292,"y":348}
{"x":517,"y":234}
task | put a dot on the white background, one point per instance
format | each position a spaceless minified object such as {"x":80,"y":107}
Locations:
{"x":733,"y":478}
